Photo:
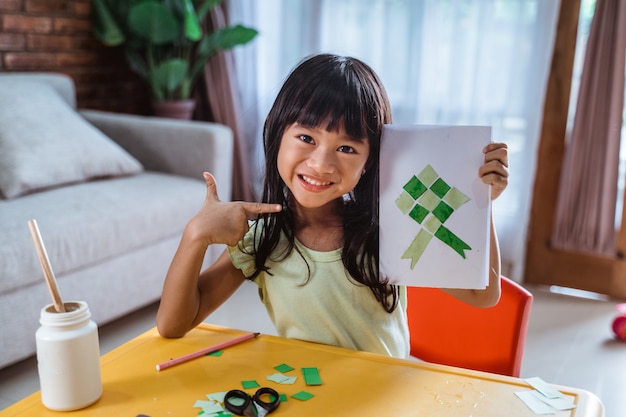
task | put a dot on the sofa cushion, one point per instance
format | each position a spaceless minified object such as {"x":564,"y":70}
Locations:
{"x":85,"y":224}
{"x":45,"y":143}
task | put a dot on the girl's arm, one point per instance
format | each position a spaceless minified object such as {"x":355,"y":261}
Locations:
{"x":190,"y":295}
{"x":494,"y":172}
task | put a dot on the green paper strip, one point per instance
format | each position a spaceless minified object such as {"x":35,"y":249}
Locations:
{"x":452,"y":240}
{"x":216,"y":353}
{"x":311,"y":376}
{"x":417,"y":247}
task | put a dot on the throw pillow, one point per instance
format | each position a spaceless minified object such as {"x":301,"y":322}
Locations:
{"x":45,"y":143}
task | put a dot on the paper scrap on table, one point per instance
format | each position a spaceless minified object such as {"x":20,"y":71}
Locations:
{"x":434,"y":209}
{"x":536,"y":406}
{"x":282,"y":379}
{"x":303,"y":396}
{"x":283,"y":368}
{"x":311,"y":376}
{"x":544,"y":399}
{"x":543,"y":387}
{"x":214,"y":406}
{"x":250,"y":384}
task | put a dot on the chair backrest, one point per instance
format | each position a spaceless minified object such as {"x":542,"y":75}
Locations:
{"x":447,"y":331}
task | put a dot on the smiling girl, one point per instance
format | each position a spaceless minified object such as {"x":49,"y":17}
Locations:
{"x":313,"y":248}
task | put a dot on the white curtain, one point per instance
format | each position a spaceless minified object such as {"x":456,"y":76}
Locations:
{"x":460,"y":62}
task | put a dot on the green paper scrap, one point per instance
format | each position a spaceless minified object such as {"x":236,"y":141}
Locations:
{"x":283,"y":398}
{"x":209,"y":407}
{"x":283,"y":368}
{"x":282,"y":379}
{"x":217,"y":396}
{"x":428,"y":175}
{"x":452,"y":240}
{"x":216,"y":353}
{"x":311,"y":376}
{"x":250,"y":384}
{"x":417,"y":247}
{"x":302,"y":396}
{"x":455,"y":198}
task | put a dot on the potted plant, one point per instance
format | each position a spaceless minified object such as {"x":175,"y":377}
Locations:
{"x":164,"y":42}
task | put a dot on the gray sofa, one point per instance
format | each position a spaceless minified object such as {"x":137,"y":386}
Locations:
{"x":111,"y":194}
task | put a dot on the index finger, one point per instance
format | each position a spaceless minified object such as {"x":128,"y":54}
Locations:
{"x":258,"y":208}
{"x":493,"y":146}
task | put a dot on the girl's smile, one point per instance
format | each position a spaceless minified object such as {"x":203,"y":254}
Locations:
{"x":319,"y":166}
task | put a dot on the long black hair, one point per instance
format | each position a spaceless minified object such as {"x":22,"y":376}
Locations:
{"x":338,"y":91}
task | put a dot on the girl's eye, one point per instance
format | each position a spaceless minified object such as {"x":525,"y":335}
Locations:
{"x":346,"y":149}
{"x":306,"y":138}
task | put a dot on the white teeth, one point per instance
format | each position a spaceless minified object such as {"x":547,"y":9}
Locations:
{"x":313,"y":182}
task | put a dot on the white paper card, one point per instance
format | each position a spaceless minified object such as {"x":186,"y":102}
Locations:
{"x":537,"y":407}
{"x":434,"y":208}
{"x":543,"y":387}
{"x":560,"y":404}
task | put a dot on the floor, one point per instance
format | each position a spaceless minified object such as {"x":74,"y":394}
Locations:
{"x":569,"y":343}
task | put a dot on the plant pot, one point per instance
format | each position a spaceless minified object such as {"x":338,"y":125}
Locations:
{"x":174,"y":109}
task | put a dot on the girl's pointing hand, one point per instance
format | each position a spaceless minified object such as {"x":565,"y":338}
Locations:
{"x":224,"y":222}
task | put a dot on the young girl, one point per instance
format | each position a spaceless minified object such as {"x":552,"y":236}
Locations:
{"x":313,"y":249}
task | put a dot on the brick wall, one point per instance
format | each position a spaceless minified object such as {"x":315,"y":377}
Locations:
{"x":56,"y":35}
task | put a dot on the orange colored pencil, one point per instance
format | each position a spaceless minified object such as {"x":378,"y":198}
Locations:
{"x":205,"y":351}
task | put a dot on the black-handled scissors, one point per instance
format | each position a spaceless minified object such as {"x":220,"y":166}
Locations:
{"x":242,"y":404}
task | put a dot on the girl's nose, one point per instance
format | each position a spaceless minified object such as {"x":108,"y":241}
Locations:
{"x":323,"y":161}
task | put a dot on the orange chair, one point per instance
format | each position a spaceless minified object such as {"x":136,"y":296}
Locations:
{"x":447,"y":331}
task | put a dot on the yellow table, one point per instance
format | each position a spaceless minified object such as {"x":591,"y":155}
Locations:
{"x":353,"y":383}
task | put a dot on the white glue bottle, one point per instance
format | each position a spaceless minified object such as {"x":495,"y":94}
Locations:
{"x":68,"y":357}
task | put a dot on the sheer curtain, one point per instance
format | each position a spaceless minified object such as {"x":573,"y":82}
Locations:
{"x":585,"y":217}
{"x":462,"y":62}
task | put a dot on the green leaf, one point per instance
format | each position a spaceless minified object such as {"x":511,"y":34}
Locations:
{"x":205,"y":7}
{"x":225,"y":38}
{"x":169,"y":75}
{"x":193,"y":31}
{"x":106,"y":28}
{"x":153,"y":22}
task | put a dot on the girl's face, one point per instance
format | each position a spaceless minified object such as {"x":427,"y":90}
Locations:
{"x":320,"y":166}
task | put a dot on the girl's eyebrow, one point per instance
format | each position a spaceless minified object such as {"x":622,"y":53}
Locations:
{"x":347,"y":137}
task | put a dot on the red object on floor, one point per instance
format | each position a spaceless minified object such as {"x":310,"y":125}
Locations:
{"x":619,"y":323}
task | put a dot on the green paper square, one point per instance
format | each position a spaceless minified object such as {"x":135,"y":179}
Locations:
{"x":311,"y":376}
{"x":283,"y":368}
{"x":432,"y":224}
{"x":428,"y":175}
{"x":455,"y":198}
{"x":414,"y":187}
{"x":404,"y":202}
{"x":302,"y":396}
{"x":283,"y":398}
{"x":418,"y":213}
{"x":440,"y":188}
{"x":429,"y":200}
{"x":443,"y":211}
{"x":250,"y":384}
